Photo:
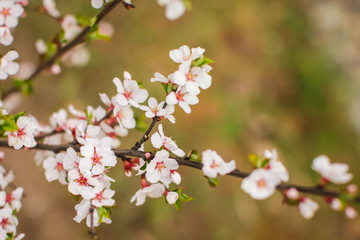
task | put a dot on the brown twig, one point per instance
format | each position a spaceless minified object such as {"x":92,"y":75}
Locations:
{"x":80,"y":38}
{"x":125,"y":153}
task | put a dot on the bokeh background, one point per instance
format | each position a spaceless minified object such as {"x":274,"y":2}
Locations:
{"x":286,"y":76}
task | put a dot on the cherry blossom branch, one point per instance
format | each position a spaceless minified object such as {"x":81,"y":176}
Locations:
{"x":145,"y":137}
{"x":80,"y":38}
{"x":185,"y":161}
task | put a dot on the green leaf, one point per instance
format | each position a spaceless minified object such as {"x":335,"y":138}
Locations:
{"x":165,"y":86}
{"x":254,"y":160}
{"x":141,"y":124}
{"x":17,"y":116}
{"x":185,"y":198}
{"x":104,"y":212}
{"x":10,"y":236}
{"x":188,"y":4}
{"x":143,"y":167}
{"x":169,"y":88}
{"x":213,"y":182}
{"x":84,"y":20}
{"x":194,"y":156}
{"x":89,"y":116}
{"x":93,"y":21}
{"x":199,"y":62}
{"x":140,"y":84}
{"x":264,"y":163}
{"x":25,"y":86}
{"x":177,"y":205}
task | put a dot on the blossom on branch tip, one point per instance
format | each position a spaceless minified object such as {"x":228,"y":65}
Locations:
{"x":54,"y":168}
{"x":7,"y":66}
{"x":307,"y":207}
{"x":334,"y":172}
{"x":6,"y":37}
{"x":153,"y":110}
{"x":260,"y":184}
{"x":98,"y":3}
{"x":213,"y":164}
{"x":159,"y":140}
{"x":171,"y":197}
{"x":173,"y":8}
{"x":82,"y":183}
{"x":50,"y":8}
{"x":159,"y":168}
{"x":154,"y":191}
{"x":9,"y":13}
{"x":129,"y":92}
{"x":183,"y":98}
{"x":24,"y":135}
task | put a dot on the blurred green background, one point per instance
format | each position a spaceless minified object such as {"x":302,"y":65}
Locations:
{"x":286,"y":75}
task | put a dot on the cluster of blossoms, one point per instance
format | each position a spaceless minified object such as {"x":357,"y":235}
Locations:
{"x":10,"y":11}
{"x":269,"y":173}
{"x":10,"y":204}
{"x":70,"y":28}
{"x":173,"y":8}
{"x":185,"y":83}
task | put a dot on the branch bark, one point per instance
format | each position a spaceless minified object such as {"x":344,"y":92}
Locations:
{"x":124,"y":153}
{"x":80,"y":38}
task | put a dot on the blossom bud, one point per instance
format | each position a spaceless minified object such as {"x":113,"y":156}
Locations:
{"x":352,"y":188}
{"x":350,"y":212}
{"x":148,"y":156}
{"x":336,"y":204}
{"x":292,"y":194}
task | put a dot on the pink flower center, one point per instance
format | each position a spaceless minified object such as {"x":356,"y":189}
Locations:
{"x":159,"y":165}
{"x":261,"y":183}
{"x":82,"y":181}
{"x":59,"y":166}
{"x":190,"y":77}
{"x":9,"y":198}
{"x":127,"y":94}
{"x":96,"y":158}
{"x":99,"y":196}
{"x":214,"y":165}
{"x":180,"y":96}
{"x":4,"y":222}
{"x":21,"y":133}
{"x":5,"y":12}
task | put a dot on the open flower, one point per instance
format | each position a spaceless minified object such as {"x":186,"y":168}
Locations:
{"x":307,"y":207}
{"x":7,"y":66}
{"x":334,"y":172}
{"x":213,"y":164}
{"x":183,"y":98}
{"x":159,"y":140}
{"x":130,"y":92}
{"x":154,"y":191}
{"x":260,"y":184}
{"x":173,"y":8}
{"x":159,"y":169}
{"x":24,"y":135}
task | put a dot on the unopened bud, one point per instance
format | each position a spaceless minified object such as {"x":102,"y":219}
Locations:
{"x":292,"y":194}
{"x":352,"y":188}
{"x":148,"y":156}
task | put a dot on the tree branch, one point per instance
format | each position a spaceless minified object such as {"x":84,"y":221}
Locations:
{"x":80,"y":38}
{"x":124,"y":153}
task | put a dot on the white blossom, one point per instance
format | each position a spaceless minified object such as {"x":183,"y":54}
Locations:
{"x":213,"y":164}
{"x":154,"y":191}
{"x":159,"y":140}
{"x":24,"y":135}
{"x":334,"y":172}
{"x":260,"y":184}
{"x":307,"y":207}
{"x":159,"y":168}
{"x":173,"y":8}
{"x":7,"y":66}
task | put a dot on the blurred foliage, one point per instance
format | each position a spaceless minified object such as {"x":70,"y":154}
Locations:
{"x":275,"y":84}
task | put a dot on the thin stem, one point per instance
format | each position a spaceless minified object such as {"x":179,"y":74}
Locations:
{"x":80,"y":38}
{"x":125,"y":153}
